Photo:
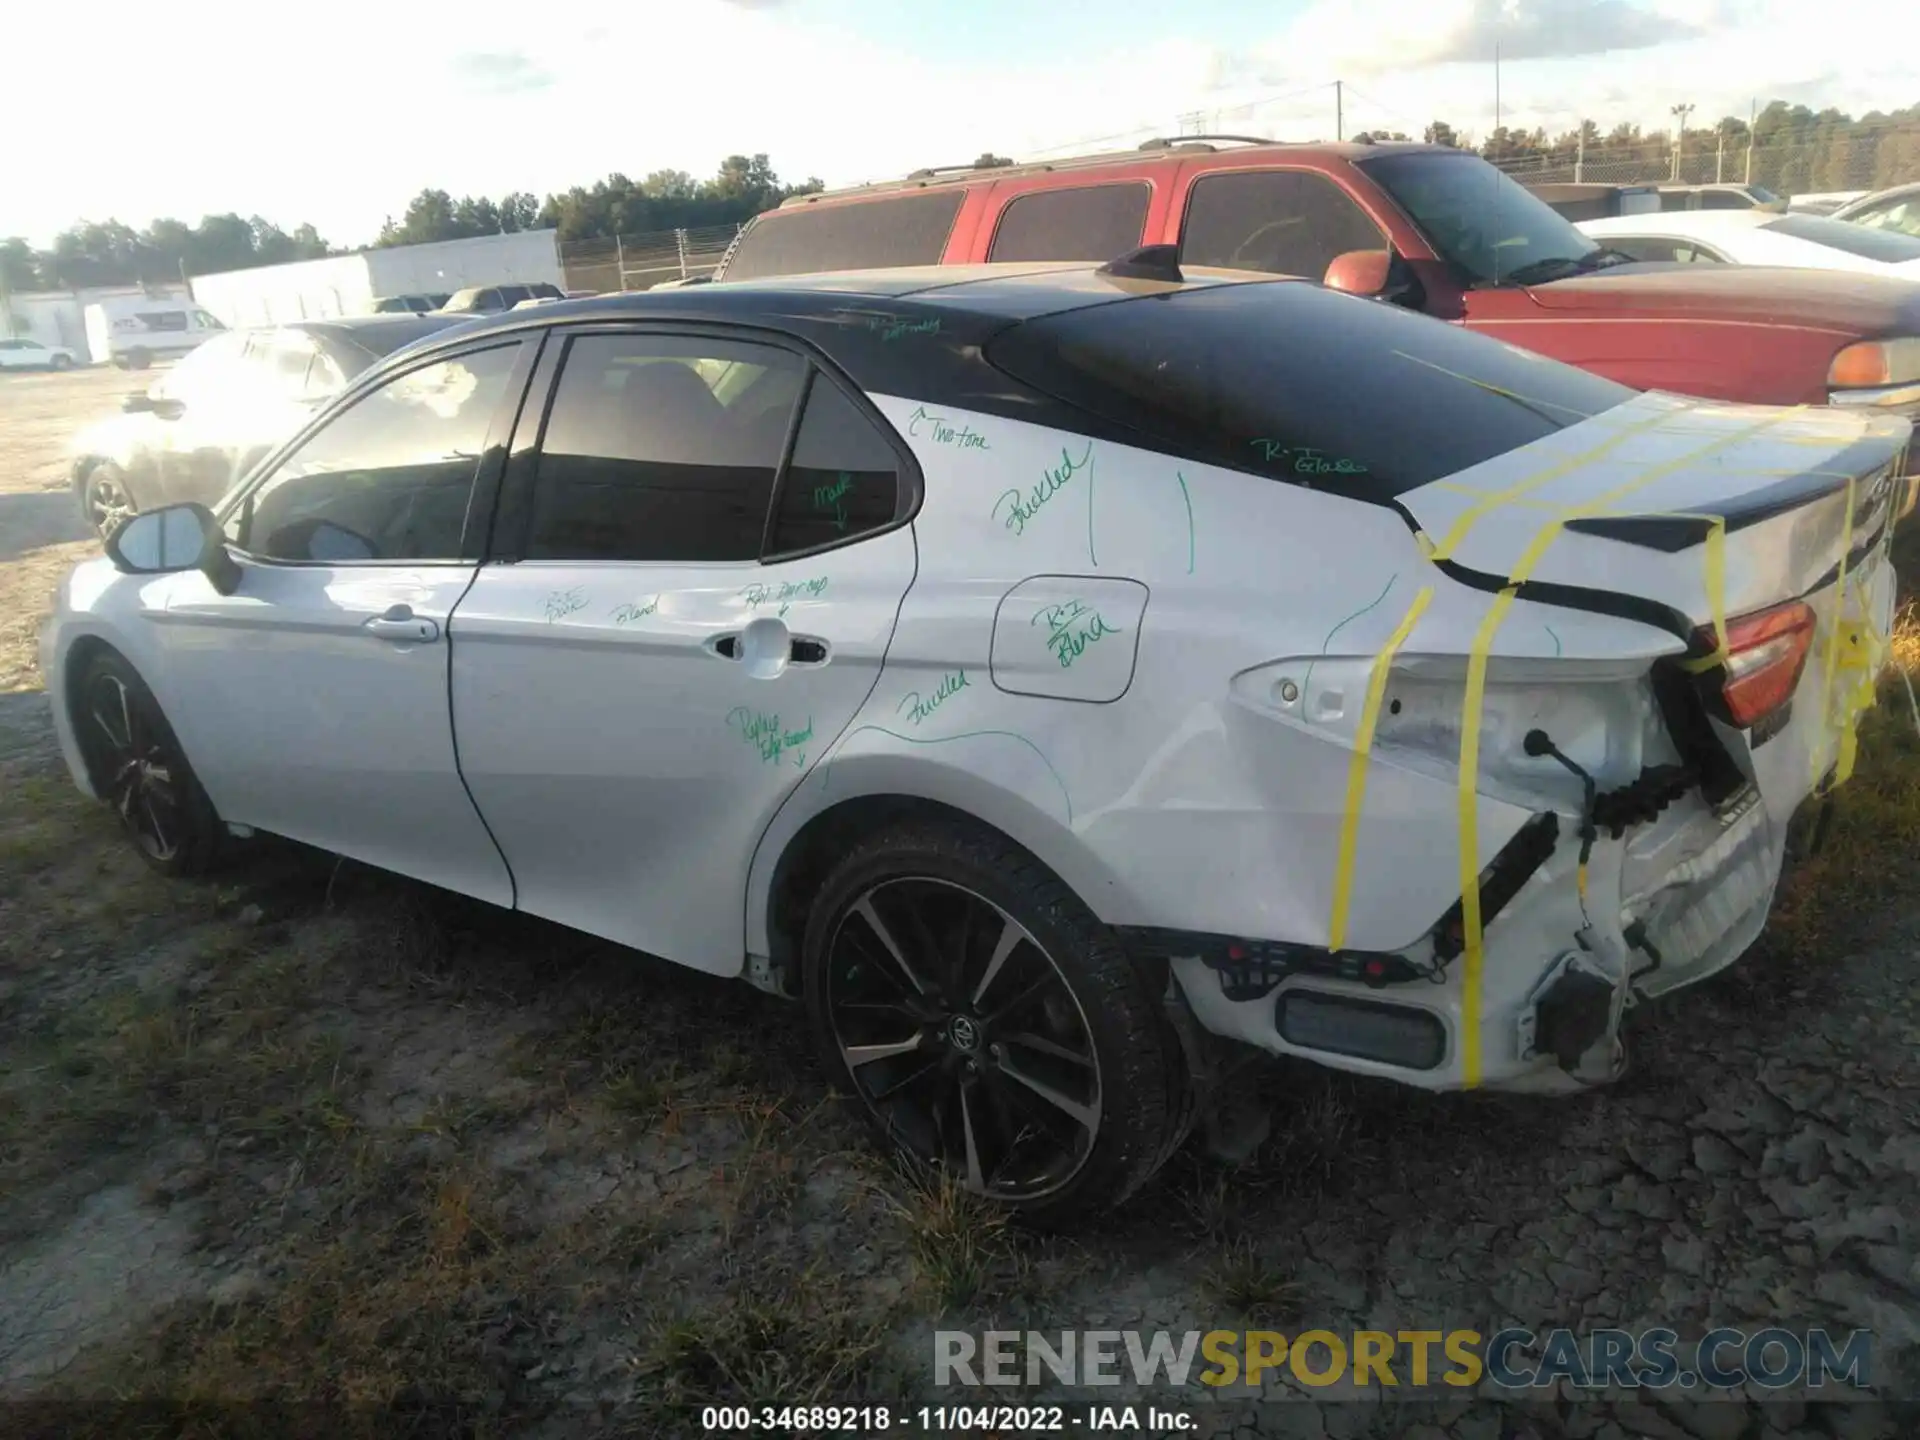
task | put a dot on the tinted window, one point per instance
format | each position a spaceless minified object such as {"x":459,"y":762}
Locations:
{"x":1284,"y":222}
{"x":1487,"y":225}
{"x":1902,"y":216}
{"x":513,"y":294}
{"x":390,"y":477}
{"x":1095,"y":223}
{"x":163,"y":319}
{"x":1303,"y":384}
{"x":873,"y":235}
{"x":844,"y":478}
{"x":1852,"y":239}
{"x":662,"y":449}
{"x":1724,"y":200}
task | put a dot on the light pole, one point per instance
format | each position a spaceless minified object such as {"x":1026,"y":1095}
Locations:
{"x":1680,"y":113}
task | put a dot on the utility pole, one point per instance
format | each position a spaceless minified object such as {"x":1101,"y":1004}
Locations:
{"x":1720,"y":160}
{"x":1753,"y":115}
{"x":1339,"y":113}
{"x":1679,"y":113}
{"x":1580,"y":155}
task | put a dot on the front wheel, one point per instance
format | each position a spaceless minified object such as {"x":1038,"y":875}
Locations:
{"x":988,"y":1025}
{"x":139,"y":768}
{"x":106,"y":498}
{"x":62,"y":362}
{"x":138,"y":359}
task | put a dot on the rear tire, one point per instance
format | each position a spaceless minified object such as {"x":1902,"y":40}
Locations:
{"x":988,"y":1025}
{"x":138,"y":359}
{"x":62,"y":362}
{"x":140,"y":770}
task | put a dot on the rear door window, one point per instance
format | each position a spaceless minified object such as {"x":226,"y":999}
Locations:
{"x":843,"y":480}
{"x":1361,"y":399}
{"x":866,"y":235}
{"x":662,"y":448}
{"x":1284,"y":222}
{"x":1093,"y":222}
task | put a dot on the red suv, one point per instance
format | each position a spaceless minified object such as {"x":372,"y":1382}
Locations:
{"x":1425,"y":226}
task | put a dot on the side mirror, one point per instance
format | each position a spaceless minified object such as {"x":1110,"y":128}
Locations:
{"x":1374,"y":275}
{"x":1360,"y":272}
{"x":173,"y":539}
{"x":159,"y":406}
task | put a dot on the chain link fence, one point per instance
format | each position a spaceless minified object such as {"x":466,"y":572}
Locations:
{"x":640,"y":262}
{"x":1858,"y":158}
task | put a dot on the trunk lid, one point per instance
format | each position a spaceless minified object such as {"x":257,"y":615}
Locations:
{"x":1855,"y":304}
{"x":1688,"y":511}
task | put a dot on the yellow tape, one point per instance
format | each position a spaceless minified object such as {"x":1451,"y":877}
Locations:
{"x":1481,"y":508}
{"x":1471,"y":705}
{"x":1816,"y":752}
{"x":1357,"y":769}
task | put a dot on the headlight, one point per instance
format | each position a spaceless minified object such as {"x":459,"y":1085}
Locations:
{"x":1874,"y":363}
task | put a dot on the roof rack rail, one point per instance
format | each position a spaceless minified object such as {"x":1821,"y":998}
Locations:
{"x":932,"y":170}
{"x":1168,"y":142}
{"x":1149,"y":262}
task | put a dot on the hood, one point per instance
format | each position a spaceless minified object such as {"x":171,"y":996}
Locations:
{"x":1821,"y":299}
{"x":107,"y":435}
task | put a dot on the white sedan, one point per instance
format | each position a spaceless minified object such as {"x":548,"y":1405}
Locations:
{"x":1755,"y":237}
{"x":24,"y":354}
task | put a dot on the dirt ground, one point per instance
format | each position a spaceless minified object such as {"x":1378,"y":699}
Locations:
{"x":313,"y":1134}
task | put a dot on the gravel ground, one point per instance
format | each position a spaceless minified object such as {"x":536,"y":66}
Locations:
{"x":313,"y":1133}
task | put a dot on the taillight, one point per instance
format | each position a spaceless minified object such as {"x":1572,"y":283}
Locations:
{"x":1766,"y":652}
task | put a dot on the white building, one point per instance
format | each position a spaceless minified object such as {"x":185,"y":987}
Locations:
{"x":349,"y":284}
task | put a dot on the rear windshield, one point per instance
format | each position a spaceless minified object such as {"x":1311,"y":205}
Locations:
{"x":1888,"y":245}
{"x":1303,"y":384}
{"x":868,"y":235}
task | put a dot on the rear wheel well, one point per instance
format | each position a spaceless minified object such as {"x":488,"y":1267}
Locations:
{"x":819,"y":845}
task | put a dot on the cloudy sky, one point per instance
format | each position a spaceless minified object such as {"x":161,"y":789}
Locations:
{"x":338,"y":113}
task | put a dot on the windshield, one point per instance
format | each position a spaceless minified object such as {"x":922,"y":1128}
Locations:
{"x":1887,"y":245}
{"x":463,"y":299}
{"x":1491,"y":228}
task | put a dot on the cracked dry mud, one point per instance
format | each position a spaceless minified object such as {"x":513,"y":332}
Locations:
{"x":309,"y":1131}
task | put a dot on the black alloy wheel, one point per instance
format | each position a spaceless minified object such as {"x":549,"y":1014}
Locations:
{"x":988,"y":1025}
{"x":961,"y":1033}
{"x":139,"y":769}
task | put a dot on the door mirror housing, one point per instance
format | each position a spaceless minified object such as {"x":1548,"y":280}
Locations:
{"x":1373,"y":275}
{"x":156,"y":405}
{"x":173,"y":539}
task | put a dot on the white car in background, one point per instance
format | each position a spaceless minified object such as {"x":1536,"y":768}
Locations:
{"x":1756,"y":237}
{"x":25,"y":354}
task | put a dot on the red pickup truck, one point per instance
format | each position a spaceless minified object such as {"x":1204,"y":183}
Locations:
{"x":1425,"y":226}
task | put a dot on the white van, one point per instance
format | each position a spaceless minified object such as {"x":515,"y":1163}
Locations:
{"x":133,"y":331}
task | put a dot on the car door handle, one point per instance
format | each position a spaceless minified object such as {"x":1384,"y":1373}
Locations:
{"x":801,"y":649}
{"x":401,"y":624}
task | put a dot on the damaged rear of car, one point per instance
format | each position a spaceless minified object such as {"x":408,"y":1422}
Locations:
{"x":1572,"y":729}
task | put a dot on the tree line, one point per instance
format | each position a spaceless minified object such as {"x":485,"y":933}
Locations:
{"x":110,"y":252}
{"x":1795,"y":149}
